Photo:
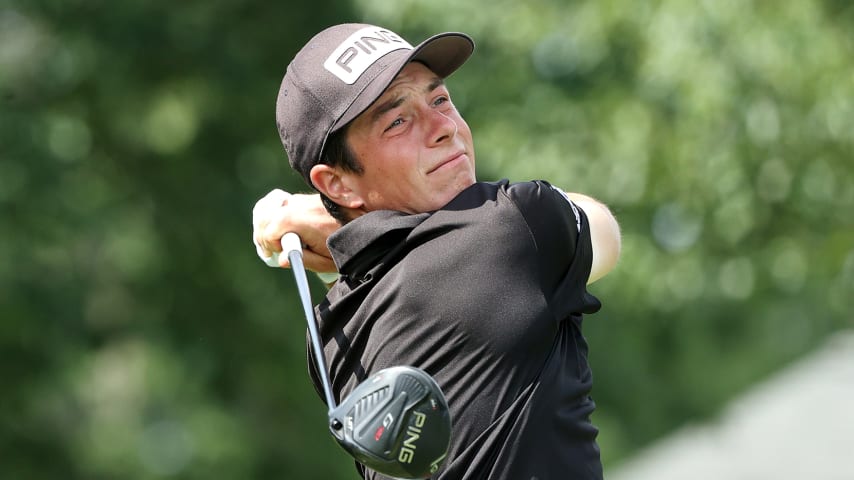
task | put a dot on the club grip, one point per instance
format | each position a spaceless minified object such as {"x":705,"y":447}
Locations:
{"x":290,"y":243}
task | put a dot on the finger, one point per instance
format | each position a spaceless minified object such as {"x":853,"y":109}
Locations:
{"x":266,"y":205}
{"x":271,"y":237}
{"x":264,"y":254}
{"x":317,"y":263}
{"x":262,"y":213}
{"x":283,"y":261}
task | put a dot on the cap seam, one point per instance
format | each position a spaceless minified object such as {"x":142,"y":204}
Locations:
{"x":304,"y":87}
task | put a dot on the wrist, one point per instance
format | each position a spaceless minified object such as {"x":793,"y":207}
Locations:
{"x":328,"y":278}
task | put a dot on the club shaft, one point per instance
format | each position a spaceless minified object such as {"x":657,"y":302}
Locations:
{"x":297,"y":266}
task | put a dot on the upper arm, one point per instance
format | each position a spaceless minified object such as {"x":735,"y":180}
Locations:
{"x":604,"y":235}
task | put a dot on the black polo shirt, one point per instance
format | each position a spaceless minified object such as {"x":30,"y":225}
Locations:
{"x":486,"y":295}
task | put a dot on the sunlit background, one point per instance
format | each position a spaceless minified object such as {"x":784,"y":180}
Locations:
{"x":141,"y":338}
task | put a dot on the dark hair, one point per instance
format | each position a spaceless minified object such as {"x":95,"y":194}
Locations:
{"x":336,"y":153}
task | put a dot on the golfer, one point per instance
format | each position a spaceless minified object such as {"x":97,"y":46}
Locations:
{"x":482,"y":285}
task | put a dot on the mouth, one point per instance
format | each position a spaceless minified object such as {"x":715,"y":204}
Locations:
{"x":448,"y":162}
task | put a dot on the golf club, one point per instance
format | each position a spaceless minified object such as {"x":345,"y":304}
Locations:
{"x":396,"y":421}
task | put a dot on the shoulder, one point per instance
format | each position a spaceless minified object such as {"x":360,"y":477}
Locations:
{"x":535,"y":191}
{"x":539,"y":198}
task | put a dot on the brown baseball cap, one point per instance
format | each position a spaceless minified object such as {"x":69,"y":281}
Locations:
{"x":340,"y":72}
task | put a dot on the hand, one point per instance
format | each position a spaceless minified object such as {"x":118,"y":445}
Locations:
{"x":280,"y":212}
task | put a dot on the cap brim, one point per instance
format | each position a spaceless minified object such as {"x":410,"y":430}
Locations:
{"x":443,"y":54}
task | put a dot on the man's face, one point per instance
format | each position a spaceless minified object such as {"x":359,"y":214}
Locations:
{"x":416,"y":150}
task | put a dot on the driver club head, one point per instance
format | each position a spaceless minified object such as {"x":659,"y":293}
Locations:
{"x":396,"y":422}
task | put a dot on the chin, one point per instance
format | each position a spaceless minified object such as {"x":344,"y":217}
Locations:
{"x":456,"y":190}
{"x":466,"y":182}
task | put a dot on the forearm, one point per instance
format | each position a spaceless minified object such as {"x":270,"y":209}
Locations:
{"x":604,"y":234}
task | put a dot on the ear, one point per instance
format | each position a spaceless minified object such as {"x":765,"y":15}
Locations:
{"x":332,"y":183}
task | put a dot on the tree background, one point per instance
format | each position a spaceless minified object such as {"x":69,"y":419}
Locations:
{"x":141,"y":338}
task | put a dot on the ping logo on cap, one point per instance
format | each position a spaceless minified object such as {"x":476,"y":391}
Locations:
{"x":360,"y":50}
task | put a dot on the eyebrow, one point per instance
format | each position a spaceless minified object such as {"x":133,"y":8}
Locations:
{"x":393,"y":103}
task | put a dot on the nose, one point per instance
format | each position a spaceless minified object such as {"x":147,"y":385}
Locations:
{"x":443,"y":127}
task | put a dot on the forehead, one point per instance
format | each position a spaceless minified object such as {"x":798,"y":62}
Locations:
{"x":412,"y":73}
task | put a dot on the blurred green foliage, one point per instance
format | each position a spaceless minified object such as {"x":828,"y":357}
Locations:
{"x":141,"y":338}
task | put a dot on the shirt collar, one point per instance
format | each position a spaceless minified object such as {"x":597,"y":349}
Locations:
{"x":359,"y":244}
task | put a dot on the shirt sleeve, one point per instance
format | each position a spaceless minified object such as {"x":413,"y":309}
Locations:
{"x":572,"y":205}
{"x":564,"y":249}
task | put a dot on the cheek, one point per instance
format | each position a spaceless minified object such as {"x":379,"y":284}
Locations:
{"x":390,"y":175}
{"x":396,"y":163}
{"x":465,"y":131}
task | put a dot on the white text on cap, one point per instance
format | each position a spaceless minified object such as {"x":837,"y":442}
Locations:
{"x":360,"y":50}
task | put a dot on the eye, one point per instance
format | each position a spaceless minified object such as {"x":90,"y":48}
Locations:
{"x":397,"y":122}
{"x":441,"y":100}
